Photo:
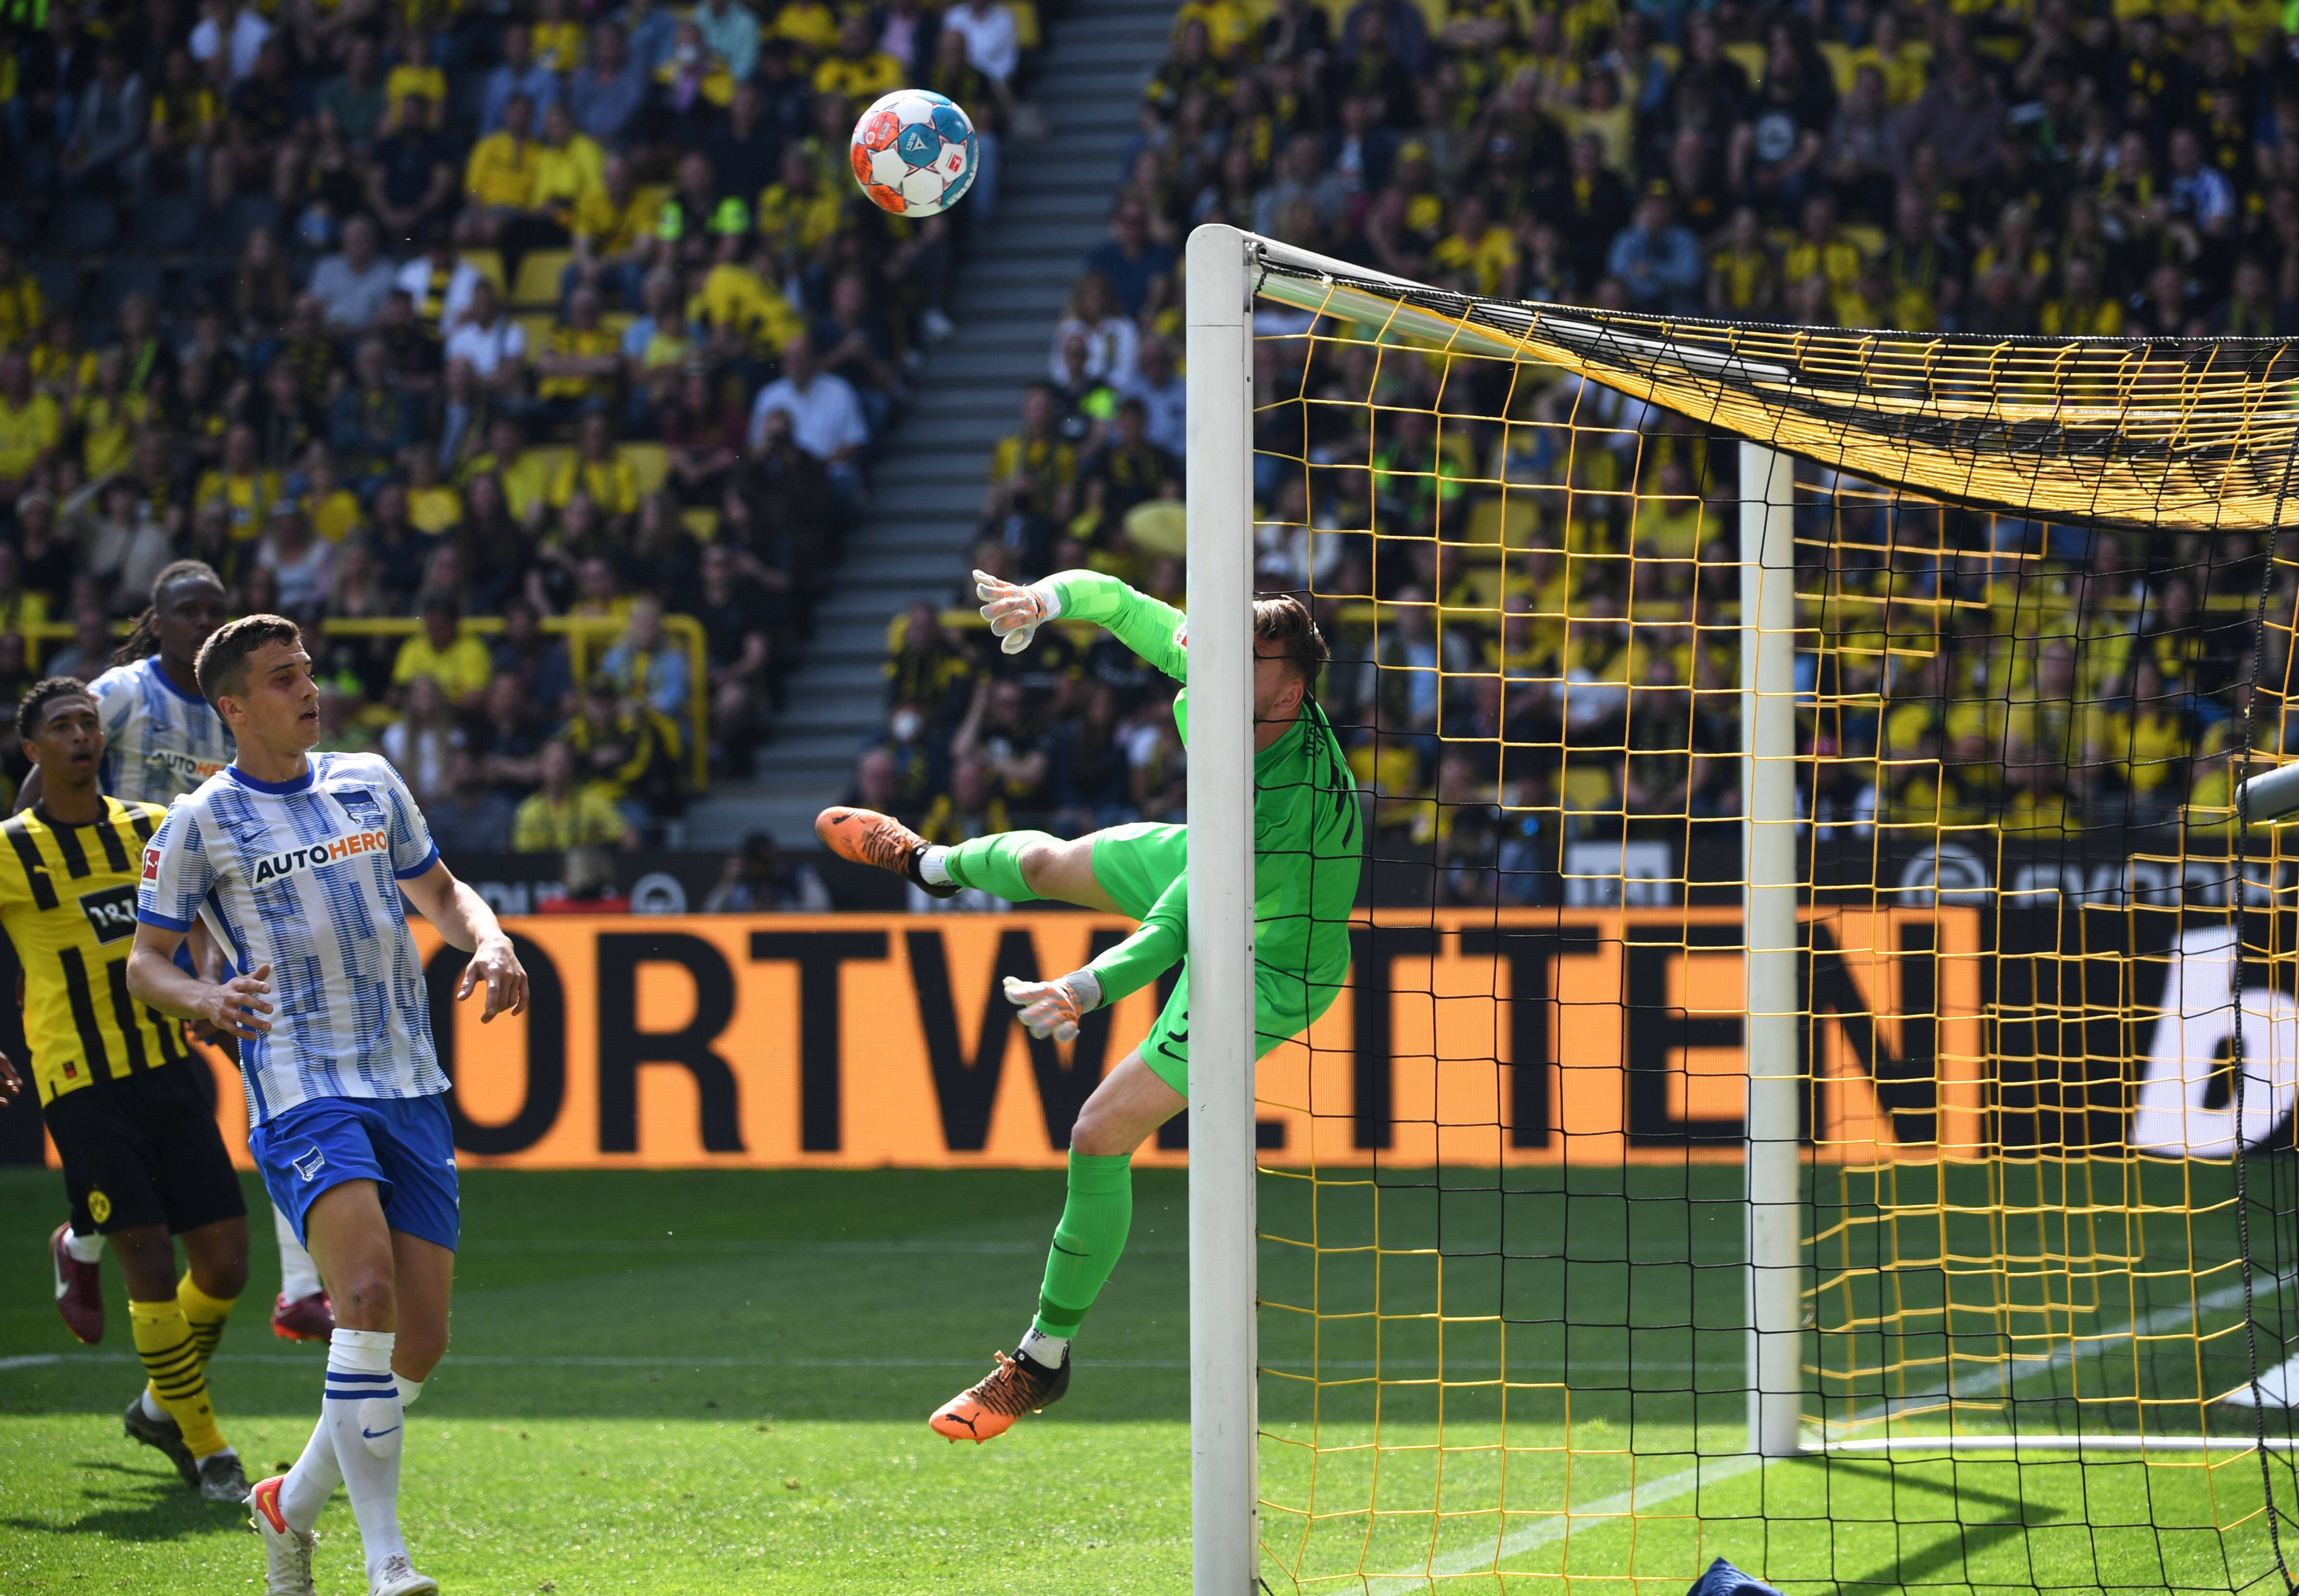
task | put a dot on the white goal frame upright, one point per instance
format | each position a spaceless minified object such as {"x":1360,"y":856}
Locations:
{"x":1225,"y":276}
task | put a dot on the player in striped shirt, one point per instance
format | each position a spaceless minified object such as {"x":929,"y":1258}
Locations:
{"x":295,"y":862}
{"x":161,"y":739}
{"x":130,"y":1108}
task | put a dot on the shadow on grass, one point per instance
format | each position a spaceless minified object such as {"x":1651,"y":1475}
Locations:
{"x":1955,"y":1551}
{"x":135,"y":1504}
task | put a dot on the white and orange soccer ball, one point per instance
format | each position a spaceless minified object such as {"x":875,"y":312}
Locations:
{"x":914,"y":153}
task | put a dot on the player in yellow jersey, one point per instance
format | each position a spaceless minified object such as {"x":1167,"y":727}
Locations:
{"x":122,"y":1094}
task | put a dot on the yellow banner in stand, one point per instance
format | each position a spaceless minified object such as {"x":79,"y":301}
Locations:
{"x":1466,"y":1037}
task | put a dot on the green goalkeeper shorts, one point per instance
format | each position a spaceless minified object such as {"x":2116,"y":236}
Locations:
{"x":1136,"y":864}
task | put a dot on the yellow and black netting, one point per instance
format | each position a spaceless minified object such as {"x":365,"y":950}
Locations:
{"x":1503,"y":1318}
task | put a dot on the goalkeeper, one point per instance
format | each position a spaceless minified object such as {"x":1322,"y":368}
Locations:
{"x":1307,"y":841}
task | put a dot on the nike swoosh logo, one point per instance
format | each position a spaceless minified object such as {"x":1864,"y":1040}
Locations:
{"x":379,"y":1434}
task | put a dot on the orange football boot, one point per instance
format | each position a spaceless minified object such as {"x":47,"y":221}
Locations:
{"x":1017,"y":1385}
{"x":866,"y":836}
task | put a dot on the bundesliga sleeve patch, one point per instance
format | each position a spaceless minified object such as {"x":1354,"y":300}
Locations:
{"x":151,"y":864}
{"x":312,"y":856}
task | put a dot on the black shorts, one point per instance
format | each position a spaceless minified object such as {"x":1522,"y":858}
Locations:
{"x":145,"y":1150}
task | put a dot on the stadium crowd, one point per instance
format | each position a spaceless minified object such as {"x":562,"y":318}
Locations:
{"x":533,"y":355}
{"x":2010,"y":170}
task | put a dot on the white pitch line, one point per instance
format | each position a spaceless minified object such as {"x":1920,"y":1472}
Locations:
{"x":1639,"y":1498}
{"x":1667,"y":1488}
{"x":497,"y":1361}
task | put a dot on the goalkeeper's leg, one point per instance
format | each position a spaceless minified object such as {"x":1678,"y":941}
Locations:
{"x":1132,"y":1100}
{"x":1021,"y":867}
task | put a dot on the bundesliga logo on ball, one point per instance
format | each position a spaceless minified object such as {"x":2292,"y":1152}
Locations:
{"x":914,"y":153}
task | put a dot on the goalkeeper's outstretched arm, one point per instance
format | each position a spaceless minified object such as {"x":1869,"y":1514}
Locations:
{"x":1150,"y":627}
{"x":1052,"y":1008}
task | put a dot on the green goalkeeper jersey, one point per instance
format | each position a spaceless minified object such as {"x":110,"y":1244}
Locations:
{"x":1308,"y":836}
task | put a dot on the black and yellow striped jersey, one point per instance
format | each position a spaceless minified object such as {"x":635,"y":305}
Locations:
{"x":68,"y":904}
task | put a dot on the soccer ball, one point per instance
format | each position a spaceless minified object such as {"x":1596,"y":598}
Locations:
{"x":914,"y":153}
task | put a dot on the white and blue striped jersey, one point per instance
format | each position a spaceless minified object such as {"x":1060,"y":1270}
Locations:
{"x":159,"y":741}
{"x":304,"y":876}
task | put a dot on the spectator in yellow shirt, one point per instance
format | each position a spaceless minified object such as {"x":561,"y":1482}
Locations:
{"x":450,"y":656}
{"x":798,"y":214}
{"x":31,"y":424}
{"x":23,"y":309}
{"x":242,"y":484}
{"x":500,"y":178}
{"x":433,"y":507}
{"x":581,"y":359}
{"x":808,"y":24}
{"x":572,"y":166}
{"x":1229,"y":26}
{"x":597,"y":470}
{"x":613,"y":228}
{"x":1479,"y":248}
{"x":416,"y":78}
{"x":561,"y":815}
{"x":745,"y":312}
{"x":107,"y":416}
{"x":2082,"y":310}
{"x":332,"y":508}
{"x":857,"y":69}
{"x":558,"y":38}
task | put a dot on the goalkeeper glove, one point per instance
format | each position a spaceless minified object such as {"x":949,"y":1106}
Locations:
{"x":1054,"y":1008}
{"x":1015,"y":613}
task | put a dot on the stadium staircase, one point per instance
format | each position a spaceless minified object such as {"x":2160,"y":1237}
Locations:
{"x":1053,"y":206}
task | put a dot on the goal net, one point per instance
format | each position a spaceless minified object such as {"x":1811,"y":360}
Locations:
{"x":1793,"y":1101}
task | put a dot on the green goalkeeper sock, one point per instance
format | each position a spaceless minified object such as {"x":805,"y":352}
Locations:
{"x":1087,"y":1241}
{"x":994,"y":864}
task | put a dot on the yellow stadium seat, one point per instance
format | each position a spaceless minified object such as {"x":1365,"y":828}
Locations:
{"x":650,"y":464}
{"x":701,"y":520}
{"x":538,"y":278}
{"x":618,"y":322}
{"x":487,"y":263}
{"x":537,"y":326}
{"x":1751,"y":57}
{"x":1868,"y":238}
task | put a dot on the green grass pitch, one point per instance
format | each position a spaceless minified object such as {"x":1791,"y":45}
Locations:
{"x":718,"y":1382}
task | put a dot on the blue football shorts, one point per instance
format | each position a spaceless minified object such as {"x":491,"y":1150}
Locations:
{"x":405,"y":1145}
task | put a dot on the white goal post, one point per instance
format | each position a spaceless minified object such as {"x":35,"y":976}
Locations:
{"x":1224,"y":275}
{"x":1224,"y":1486}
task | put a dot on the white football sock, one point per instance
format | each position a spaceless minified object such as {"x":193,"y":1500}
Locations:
{"x":1047,"y":1351}
{"x":315,"y":1476}
{"x":364,"y":1420}
{"x":313,"y":1479}
{"x":83,"y":1249}
{"x":152,"y":1410}
{"x":931,"y":869}
{"x":299,"y":1276}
